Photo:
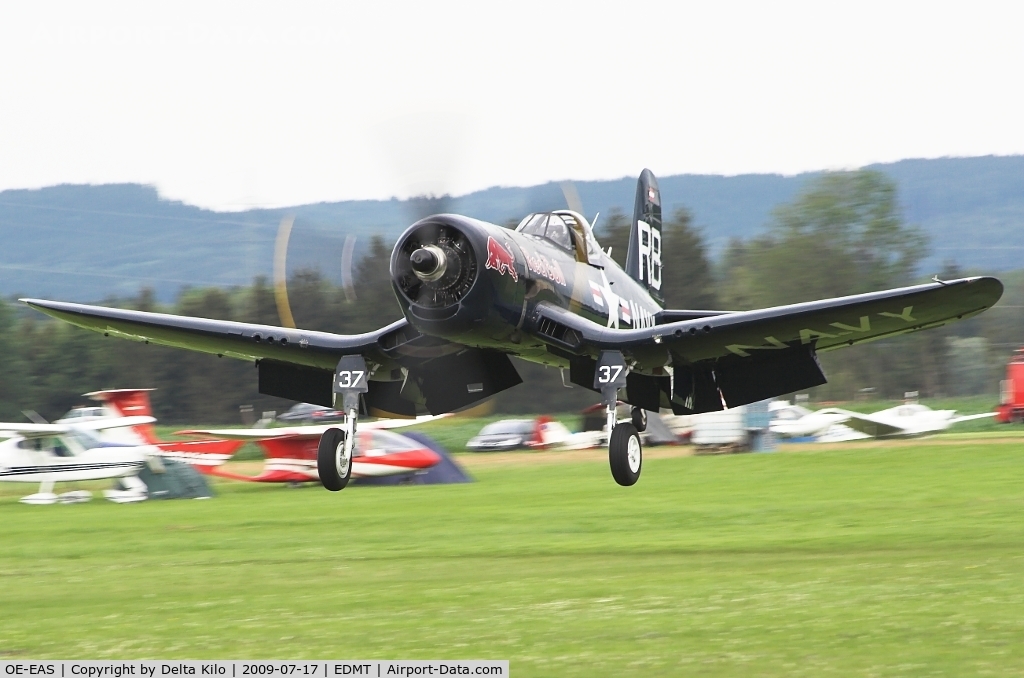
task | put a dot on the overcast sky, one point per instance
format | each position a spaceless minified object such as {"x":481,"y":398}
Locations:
{"x":232,"y":105}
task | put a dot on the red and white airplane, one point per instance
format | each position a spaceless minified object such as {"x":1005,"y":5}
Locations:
{"x":134,"y":402}
{"x":291,"y":452}
{"x":290,"y":457}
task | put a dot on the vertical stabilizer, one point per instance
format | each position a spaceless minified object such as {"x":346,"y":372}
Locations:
{"x":643,"y":258}
{"x":130,"y":402}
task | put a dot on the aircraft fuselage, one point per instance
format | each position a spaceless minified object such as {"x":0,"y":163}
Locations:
{"x":20,"y":461}
{"x":494,"y":303}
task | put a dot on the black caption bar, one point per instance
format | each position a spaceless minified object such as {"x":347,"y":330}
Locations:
{"x":234,"y":668}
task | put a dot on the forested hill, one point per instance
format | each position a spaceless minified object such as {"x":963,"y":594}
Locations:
{"x":84,"y":243}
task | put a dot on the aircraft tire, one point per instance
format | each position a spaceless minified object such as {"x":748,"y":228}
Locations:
{"x":625,"y":455}
{"x":328,"y":455}
{"x":639,"y":418}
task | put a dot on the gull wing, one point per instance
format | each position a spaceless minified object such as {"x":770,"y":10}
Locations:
{"x":747,"y":356}
{"x":247,"y":341}
{"x":413,"y":372}
{"x":828,"y":324}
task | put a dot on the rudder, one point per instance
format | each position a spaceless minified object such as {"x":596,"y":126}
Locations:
{"x":643,"y":258}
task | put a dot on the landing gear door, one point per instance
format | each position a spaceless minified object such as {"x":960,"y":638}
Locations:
{"x":351,"y":378}
{"x":609,"y":375}
{"x":610,"y":372}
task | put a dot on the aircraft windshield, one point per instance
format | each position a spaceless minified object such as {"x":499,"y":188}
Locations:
{"x":84,"y":440}
{"x":549,"y":226}
{"x":556,"y":227}
{"x":84,"y":412}
{"x":534,"y":225}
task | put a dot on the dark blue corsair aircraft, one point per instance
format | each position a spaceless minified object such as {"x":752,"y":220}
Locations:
{"x":475,"y":293}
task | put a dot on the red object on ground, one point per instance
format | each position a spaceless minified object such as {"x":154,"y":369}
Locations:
{"x":1011,"y":406}
{"x":292,"y":459}
{"x":131,"y":402}
{"x":537,"y":441}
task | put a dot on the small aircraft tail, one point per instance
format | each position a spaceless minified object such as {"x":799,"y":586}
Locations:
{"x":539,"y":440}
{"x":130,"y":402}
{"x":643,"y":258}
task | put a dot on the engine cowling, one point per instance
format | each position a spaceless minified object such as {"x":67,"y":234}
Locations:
{"x":434,"y":267}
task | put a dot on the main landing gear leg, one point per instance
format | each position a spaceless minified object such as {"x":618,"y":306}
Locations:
{"x":625,"y":455}
{"x":337,"y":446}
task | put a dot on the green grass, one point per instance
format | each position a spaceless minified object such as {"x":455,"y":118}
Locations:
{"x":873,"y":561}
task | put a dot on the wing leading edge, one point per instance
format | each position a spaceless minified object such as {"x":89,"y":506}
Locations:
{"x":827,"y":324}
{"x":246,"y":341}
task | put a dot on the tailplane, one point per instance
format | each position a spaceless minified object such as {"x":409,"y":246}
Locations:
{"x":643,"y":258}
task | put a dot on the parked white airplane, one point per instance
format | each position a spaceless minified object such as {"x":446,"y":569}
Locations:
{"x":904,"y":421}
{"x":51,"y":453}
{"x":825,"y":425}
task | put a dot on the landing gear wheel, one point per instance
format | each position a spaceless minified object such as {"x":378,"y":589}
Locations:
{"x":639,"y":418}
{"x":333,"y":461}
{"x":625,"y":456}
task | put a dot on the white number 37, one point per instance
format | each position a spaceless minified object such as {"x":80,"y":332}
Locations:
{"x":350,"y":378}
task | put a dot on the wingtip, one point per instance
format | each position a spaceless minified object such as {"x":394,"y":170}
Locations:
{"x":994,"y":286}
{"x":46,"y":305}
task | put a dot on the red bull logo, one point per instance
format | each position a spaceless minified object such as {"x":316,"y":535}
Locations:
{"x":500,"y":259}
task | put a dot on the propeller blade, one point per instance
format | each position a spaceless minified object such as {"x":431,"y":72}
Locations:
{"x":34,"y":417}
{"x":572,"y":196}
{"x":284,"y":309}
{"x":424,"y":206}
{"x":347,"y":253}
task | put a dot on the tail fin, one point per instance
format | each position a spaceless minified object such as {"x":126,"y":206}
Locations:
{"x":130,"y":402}
{"x":643,"y":258}
{"x":539,"y":440}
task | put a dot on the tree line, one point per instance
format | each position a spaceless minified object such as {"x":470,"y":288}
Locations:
{"x":843,"y":235}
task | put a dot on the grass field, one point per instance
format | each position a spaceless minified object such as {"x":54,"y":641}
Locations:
{"x":902,"y":559}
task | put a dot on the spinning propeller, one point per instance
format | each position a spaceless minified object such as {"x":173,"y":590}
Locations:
{"x":284,"y":310}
